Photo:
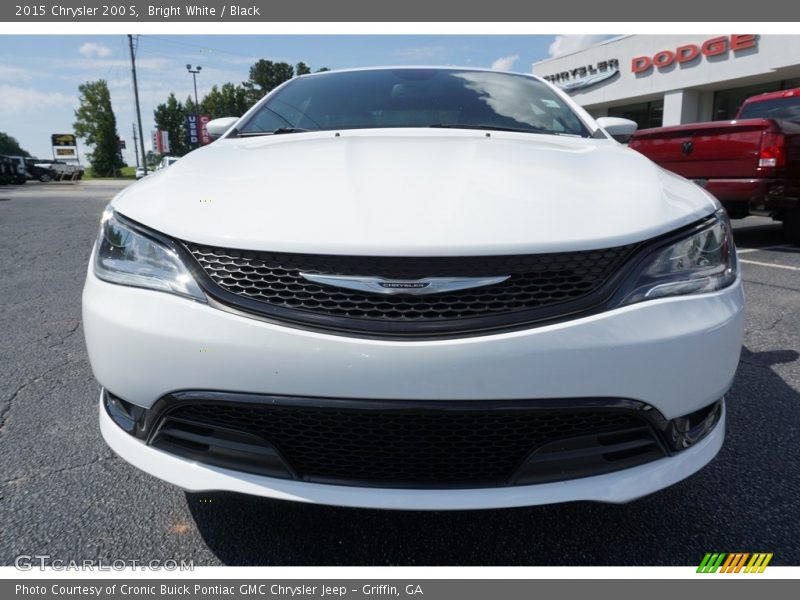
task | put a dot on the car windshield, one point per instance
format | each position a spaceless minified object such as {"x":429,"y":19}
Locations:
{"x":450,"y":98}
{"x":779,"y":108}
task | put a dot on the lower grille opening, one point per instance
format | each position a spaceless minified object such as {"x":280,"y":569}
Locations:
{"x":408,"y":445}
{"x":220,"y":446}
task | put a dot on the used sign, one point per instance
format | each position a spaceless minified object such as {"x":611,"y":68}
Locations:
{"x":196,"y":130}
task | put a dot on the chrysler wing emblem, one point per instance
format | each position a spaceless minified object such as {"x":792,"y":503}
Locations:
{"x":415,"y":287}
{"x":585,"y":82}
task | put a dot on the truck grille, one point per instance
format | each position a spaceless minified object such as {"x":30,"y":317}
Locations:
{"x":539,"y":287}
{"x":446,"y":444}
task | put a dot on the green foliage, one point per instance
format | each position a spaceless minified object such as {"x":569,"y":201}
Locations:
{"x":302,"y":68}
{"x":228,"y":101}
{"x":171,"y":117}
{"x":96,"y":124}
{"x":189,"y":107}
{"x":10,"y":146}
{"x":265,"y":76}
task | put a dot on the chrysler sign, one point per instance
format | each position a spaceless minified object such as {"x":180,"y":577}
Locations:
{"x":584,"y":76}
{"x":716,"y":46}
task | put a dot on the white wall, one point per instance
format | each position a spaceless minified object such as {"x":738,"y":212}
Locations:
{"x":775,"y":57}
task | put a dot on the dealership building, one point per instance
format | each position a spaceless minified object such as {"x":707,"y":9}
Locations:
{"x":659,"y":80}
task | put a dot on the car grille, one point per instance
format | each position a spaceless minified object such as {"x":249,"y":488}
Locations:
{"x":379,"y":445}
{"x":539,"y":287}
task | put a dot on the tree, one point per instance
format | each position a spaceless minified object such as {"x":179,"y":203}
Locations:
{"x":96,"y":124}
{"x":302,"y":68}
{"x":265,"y":76}
{"x":323,"y":69}
{"x":228,"y":101}
{"x":171,"y":117}
{"x":10,"y":146}
{"x":189,"y":107}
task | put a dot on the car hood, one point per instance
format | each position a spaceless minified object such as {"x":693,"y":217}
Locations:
{"x":414,"y":192}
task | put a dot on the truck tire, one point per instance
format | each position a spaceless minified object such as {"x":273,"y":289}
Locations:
{"x":791,"y":226}
{"x":45,"y":177}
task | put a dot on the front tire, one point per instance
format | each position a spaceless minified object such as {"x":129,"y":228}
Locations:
{"x":45,"y":178}
{"x":791,"y":226}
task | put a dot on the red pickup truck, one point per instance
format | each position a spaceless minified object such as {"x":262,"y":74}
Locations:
{"x":751,"y":164}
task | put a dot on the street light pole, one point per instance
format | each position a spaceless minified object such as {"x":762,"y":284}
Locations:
{"x":194,"y":73}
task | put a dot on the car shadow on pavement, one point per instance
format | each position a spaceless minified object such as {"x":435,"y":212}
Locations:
{"x":758,"y":234}
{"x":745,"y":500}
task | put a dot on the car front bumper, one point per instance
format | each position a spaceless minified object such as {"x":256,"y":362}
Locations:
{"x":678,"y":355}
{"x":618,"y":487}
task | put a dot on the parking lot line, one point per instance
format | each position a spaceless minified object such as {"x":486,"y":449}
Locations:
{"x":763,"y":264}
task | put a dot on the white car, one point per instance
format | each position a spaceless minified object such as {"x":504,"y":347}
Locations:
{"x":167,"y":161}
{"x":140,"y":172}
{"x":415,"y":288}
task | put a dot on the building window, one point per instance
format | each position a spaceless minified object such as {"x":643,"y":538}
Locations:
{"x":646,"y":114}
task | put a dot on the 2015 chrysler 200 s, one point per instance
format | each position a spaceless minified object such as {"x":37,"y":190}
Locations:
{"x":415,"y":288}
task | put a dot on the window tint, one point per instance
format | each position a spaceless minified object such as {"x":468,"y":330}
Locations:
{"x":416,"y":98}
{"x":779,"y":108}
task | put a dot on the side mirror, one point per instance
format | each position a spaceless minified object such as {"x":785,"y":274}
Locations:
{"x":620,"y":129}
{"x":217,"y":127}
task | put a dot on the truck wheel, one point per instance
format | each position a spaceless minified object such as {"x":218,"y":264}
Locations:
{"x":45,"y":177}
{"x":791,"y":226}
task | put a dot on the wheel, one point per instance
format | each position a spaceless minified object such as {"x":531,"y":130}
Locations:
{"x":20,"y":180}
{"x":791,"y":226}
{"x":45,"y":177}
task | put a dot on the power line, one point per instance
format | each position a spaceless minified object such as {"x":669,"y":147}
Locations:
{"x":197,"y":46}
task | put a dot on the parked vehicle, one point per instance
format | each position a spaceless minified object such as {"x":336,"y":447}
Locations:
{"x":36,"y":169}
{"x":167,"y":161}
{"x":61,"y":169}
{"x":139,"y":172}
{"x":7,"y":170}
{"x":457,"y":291}
{"x":20,"y":173}
{"x":751,"y":164}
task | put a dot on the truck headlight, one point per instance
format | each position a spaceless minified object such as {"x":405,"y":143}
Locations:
{"x":704,"y":261}
{"x":127,"y":257}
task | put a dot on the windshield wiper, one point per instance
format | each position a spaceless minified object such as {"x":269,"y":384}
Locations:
{"x":491,"y":127}
{"x":289,"y":130}
{"x":277,"y":131}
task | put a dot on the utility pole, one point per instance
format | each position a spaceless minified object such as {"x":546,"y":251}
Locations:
{"x":135,"y":147}
{"x":136,"y":96}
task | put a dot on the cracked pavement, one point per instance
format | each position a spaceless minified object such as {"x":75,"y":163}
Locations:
{"x":64,"y":493}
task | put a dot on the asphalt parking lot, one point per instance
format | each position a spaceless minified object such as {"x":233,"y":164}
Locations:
{"x":64,"y":493}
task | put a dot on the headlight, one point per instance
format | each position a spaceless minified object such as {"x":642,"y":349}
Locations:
{"x":127,"y":257}
{"x":702,"y":262}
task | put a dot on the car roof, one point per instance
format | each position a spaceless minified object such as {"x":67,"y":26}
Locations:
{"x":418,"y":68}
{"x":772,"y":96}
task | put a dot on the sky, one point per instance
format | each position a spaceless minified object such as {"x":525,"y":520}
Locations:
{"x":40,"y":74}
